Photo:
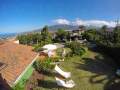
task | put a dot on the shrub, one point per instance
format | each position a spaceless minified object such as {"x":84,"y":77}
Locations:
{"x":77,"y":48}
{"x":59,"y":51}
{"x":44,"y":66}
{"x":55,"y":59}
{"x":79,"y":51}
{"x":38,"y":48}
{"x":68,"y":52}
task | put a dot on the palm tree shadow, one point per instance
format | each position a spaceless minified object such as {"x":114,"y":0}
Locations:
{"x":48,"y":84}
{"x":95,"y":66}
{"x":113,"y":84}
{"x":93,"y":79}
{"x":101,"y":67}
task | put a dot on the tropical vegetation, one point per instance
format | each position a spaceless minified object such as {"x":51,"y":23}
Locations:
{"x":107,"y":41}
{"x":91,"y":69}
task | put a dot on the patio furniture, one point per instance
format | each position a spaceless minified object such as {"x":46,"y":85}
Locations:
{"x":61,"y":60}
{"x":65,"y":84}
{"x":62,"y":73}
{"x":54,"y":63}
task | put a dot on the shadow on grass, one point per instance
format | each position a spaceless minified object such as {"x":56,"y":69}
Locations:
{"x":95,"y":66}
{"x":48,"y":73}
{"x":113,"y":84}
{"x":47,"y":84}
{"x":101,"y":67}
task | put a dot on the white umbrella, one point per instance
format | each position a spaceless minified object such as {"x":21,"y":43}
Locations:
{"x":50,"y":47}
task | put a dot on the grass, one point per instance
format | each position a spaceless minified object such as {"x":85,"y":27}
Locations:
{"x":93,"y":71}
{"x":21,"y":84}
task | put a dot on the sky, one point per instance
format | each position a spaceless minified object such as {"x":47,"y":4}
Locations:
{"x":25,"y":15}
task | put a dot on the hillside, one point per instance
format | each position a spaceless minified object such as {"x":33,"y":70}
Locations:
{"x":7,"y":35}
{"x":56,"y":27}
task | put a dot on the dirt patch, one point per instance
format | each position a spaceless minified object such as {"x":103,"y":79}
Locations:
{"x":33,"y":81}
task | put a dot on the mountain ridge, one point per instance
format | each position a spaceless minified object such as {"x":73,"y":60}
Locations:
{"x":54,"y":28}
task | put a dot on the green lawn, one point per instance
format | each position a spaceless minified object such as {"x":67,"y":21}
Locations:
{"x":92,"y":72}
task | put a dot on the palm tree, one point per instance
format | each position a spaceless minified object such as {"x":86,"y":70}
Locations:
{"x":103,"y":28}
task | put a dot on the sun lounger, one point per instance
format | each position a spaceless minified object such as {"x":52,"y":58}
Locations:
{"x":62,"y":83}
{"x":62,"y":73}
{"x":61,"y":60}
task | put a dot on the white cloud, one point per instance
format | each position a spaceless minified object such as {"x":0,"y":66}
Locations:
{"x":97,"y":23}
{"x":78,"y":22}
{"x":61,"y":21}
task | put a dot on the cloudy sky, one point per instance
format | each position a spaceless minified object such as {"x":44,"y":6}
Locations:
{"x":78,"y":22}
{"x":24,"y":15}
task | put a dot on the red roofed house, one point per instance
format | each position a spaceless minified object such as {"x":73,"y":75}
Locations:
{"x":15,"y":59}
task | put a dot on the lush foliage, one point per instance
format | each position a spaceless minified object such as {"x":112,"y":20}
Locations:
{"x":44,"y":66}
{"x":68,"y":52}
{"x":46,"y":36}
{"x":29,"y":39}
{"x":107,"y":41}
{"x":59,"y":52}
{"x":90,"y":35}
{"x":104,"y":37}
{"x":36,"y":39}
{"x":86,"y":73}
{"x":76,"y":47}
{"x":61,"y":35}
{"x":38,"y":48}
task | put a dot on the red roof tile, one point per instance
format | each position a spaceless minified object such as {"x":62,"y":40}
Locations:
{"x":16,"y":57}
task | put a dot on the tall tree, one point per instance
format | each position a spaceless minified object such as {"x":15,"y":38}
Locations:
{"x":117,"y":36}
{"x":61,"y":35}
{"x":104,"y":28}
{"x":45,"y":35}
{"x":90,"y":35}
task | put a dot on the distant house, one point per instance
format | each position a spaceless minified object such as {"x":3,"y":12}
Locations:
{"x":108,"y":34}
{"x":76,"y":34}
{"x":15,"y":59}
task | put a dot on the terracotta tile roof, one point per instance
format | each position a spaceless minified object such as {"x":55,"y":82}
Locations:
{"x":16,"y":58}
